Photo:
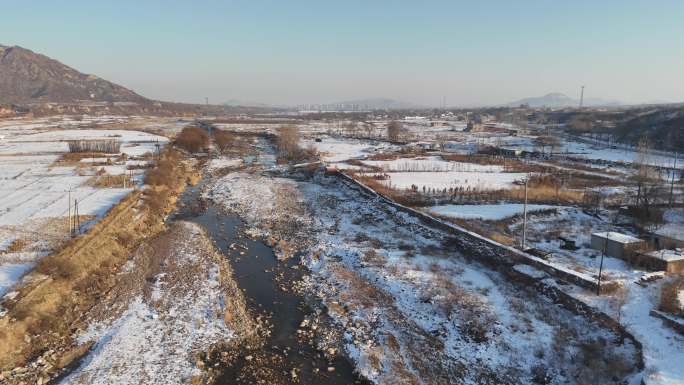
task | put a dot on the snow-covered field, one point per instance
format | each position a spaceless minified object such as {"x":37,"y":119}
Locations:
{"x":621,"y":155}
{"x":432,"y":163}
{"x":338,"y":150}
{"x":453,"y":179}
{"x":35,"y":185}
{"x":486,"y":212}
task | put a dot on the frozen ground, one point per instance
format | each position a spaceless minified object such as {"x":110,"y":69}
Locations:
{"x":663,"y":347}
{"x":163,"y":318}
{"x":543,"y":230}
{"x":411,"y":307}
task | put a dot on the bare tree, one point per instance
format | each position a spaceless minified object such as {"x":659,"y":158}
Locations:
{"x":649,"y":187}
{"x":547,"y":141}
{"x":288,"y":141}
{"x":645,"y":173}
{"x":395,"y":131}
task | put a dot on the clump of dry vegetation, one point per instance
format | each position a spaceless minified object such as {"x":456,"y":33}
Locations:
{"x":193,"y":139}
{"x":17,"y":245}
{"x":223,"y":139}
{"x":164,"y":174}
{"x":104,"y":180}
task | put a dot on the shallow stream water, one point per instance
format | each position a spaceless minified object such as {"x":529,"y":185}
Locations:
{"x":255,"y":272}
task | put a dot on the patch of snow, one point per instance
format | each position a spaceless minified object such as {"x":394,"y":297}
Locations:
{"x":10,"y":273}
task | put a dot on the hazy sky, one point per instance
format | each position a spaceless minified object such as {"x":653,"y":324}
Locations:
{"x":289,"y":51}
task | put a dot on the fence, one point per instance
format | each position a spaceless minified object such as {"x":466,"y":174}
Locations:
{"x":107,"y":146}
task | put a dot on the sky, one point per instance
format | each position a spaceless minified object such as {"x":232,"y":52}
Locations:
{"x":294,"y":52}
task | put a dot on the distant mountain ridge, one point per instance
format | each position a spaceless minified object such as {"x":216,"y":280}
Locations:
{"x":29,"y":77}
{"x":557,"y":100}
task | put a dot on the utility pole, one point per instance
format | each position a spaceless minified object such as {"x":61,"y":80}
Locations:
{"x":156,"y":145}
{"x":674,"y":170}
{"x":603,"y":254}
{"x":524,"y":232}
{"x":69,"y":212}
{"x":581,"y":98}
{"x":76,"y":218}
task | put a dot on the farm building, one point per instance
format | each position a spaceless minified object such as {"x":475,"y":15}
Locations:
{"x":671,"y":261}
{"x":501,"y":151}
{"x":617,"y":245}
{"x":666,"y":240}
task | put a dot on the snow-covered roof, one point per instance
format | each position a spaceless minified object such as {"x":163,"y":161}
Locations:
{"x":668,"y":255}
{"x":617,"y":237}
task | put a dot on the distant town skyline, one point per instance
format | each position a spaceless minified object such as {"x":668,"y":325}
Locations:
{"x":305,"y":52}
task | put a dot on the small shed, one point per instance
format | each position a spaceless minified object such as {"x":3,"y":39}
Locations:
{"x":617,"y":245}
{"x":567,"y":243}
{"x":671,"y":261}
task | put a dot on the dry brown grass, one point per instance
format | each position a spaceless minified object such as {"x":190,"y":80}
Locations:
{"x":509,"y":165}
{"x":17,"y":245}
{"x":106,"y":181}
{"x":69,"y":282}
{"x":544,"y":194}
{"x":73,"y":158}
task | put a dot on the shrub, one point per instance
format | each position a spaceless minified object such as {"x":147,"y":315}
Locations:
{"x":223,"y":139}
{"x":193,"y":139}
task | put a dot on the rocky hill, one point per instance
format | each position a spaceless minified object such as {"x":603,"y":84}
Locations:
{"x":36,"y":84}
{"x":28,"y":77}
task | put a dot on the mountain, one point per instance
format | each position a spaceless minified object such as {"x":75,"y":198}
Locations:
{"x":558,"y":100}
{"x":28,"y":77}
{"x":36,"y":84}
